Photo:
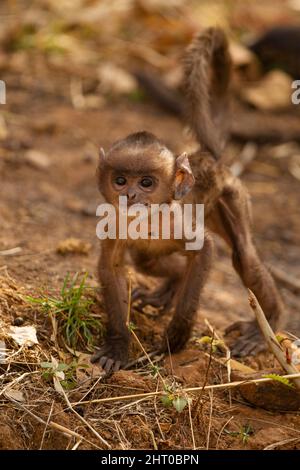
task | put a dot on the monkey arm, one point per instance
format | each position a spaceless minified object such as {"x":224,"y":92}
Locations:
{"x":194,"y":279}
{"x":112,"y":276}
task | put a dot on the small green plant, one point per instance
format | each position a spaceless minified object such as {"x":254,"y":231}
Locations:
{"x":63,"y":375}
{"x":136,"y":96}
{"x":71,"y":309}
{"x":244,"y":433}
{"x":208,"y":340}
{"x":175,"y":399}
{"x":279,"y":378}
{"x":154,"y":370}
{"x":131,"y":326}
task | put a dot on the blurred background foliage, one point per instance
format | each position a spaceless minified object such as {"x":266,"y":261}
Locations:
{"x":101,"y":43}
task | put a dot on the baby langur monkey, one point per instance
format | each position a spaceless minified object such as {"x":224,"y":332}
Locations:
{"x":144,"y":170}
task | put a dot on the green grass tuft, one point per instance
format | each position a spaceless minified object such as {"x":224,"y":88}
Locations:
{"x":71,"y":309}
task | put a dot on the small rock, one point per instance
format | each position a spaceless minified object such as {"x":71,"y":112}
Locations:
{"x":18,"y":321}
{"x":115,"y":80}
{"x":37,"y":159}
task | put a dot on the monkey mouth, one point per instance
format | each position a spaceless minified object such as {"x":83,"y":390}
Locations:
{"x":137,"y":204}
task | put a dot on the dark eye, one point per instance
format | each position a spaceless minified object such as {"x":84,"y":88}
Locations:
{"x":146,"y":182}
{"x":120,"y":181}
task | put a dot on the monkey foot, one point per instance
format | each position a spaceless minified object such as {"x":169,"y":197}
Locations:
{"x":161,"y":298}
{"x":250,"y":341}
{"x":175,"y":337}
{"x":112,"y":356}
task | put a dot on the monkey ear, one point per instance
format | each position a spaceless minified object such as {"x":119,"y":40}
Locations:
{"x":184,"y":178}
{"x":102,"y":155}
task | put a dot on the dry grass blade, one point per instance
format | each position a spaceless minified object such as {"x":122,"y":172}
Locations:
{"x":75,"y":447}
{"x":191,"y":424}
{"x":184,"y":390}
{"x":271,"y":338}
{"x":84,"y":421}
{"x":147,"y":355}
{"x":17,"y":380}
{"x":281,"y":443}
{"x":227,"y":352}
{"x":46,"y":425}
{"x":223,"y":427}
{"x":210,"y":418}
{"x":55,"y":426}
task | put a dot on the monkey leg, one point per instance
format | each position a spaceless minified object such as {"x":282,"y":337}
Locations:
{"x":172,"y":268}
{"x":234,"y":212}
{"x":193,"y":280}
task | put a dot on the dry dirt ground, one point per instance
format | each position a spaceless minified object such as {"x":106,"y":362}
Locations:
{"x":40,"y":207}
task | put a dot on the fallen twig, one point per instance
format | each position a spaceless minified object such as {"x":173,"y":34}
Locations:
{"x":270,"y":337}
{"x":288,"y":281}
{"x":281,"y":443}
{"x":11,"y":252}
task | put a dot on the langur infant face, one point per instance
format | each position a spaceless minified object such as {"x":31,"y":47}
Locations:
{"x":142,"y":170}
{"x":142,"y":188}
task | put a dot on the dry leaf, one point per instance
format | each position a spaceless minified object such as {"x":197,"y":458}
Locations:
{"x":57,"y":385}
{"x":73,"y":245}
{"x":14,"y":394}
{"x":294,"y":166}
{"x":272,"y":92}
{"x":88,"y":370}
{"x":241,"y":56}
{"x":2,"y":352}
{"x":23,"y":335}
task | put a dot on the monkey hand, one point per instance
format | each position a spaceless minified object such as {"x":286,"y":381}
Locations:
{"x":176,"y":336}
{"x":250,"y":341}
{"x":113,"y":355}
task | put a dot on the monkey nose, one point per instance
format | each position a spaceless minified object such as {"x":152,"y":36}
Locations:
{"x":131,"y":195}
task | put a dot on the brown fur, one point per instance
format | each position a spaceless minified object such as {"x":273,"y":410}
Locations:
{"x":207,"y":67}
